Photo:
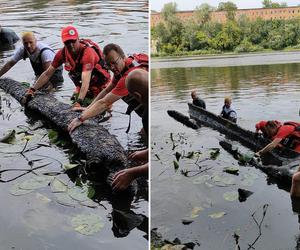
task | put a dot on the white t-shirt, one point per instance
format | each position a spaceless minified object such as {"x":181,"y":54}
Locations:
{"x":47,"y":55}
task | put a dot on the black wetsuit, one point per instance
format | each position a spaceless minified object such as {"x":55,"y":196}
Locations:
{"x":199,"y":103}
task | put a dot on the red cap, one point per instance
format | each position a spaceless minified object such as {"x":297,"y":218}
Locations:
{"x":69,"y":33}
{"x":260,"y":125}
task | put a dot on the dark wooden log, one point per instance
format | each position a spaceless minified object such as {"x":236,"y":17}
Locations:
{"x":92,"y":139}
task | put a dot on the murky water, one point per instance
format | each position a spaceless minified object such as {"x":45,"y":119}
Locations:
{"x":258,"y":92}
{"x":36,"y":220}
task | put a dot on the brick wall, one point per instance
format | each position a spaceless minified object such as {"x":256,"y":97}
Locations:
{"x":252,"y":14}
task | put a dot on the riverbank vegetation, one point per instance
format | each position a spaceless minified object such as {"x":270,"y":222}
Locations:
{"x":201,"y":35}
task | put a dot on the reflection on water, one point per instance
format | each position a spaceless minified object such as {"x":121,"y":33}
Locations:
{"x":124,"y":218}
{"x":258,"y":92}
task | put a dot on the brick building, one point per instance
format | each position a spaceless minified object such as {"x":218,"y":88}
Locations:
{"x":252,"y":14}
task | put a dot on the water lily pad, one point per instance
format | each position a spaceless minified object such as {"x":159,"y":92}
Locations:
{"x":65,"y":199}
{"x":231,"y":170}
{"x":231,"y":196}
{"x":201,"y":179}
{"x":195,"y":211}
{"x":53,"y":135}
{"x":247,"y":182}
{"x":176,"y":165}
{"x":16,"y":190}
{"x":78,"y":193}
{"x":217,"y":215}
{"x":9,"y":137}
{"x":70,"y":166}
{"x":89,"y":203}
{"x":87,"y":224}
{"x":27,"y":137}
{"x":58,"y":186}
{"x":36,"y":182}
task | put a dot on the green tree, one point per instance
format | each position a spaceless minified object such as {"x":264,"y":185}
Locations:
{"x":202,"y":13}
{"x":270,"y":4}
{"x":169,"y":11}
{"x":230,"y":9}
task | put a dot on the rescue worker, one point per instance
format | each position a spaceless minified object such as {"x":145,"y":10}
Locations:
{"x":121,"y":66}
{"x":7,"y":37}
{"x":227,"y":112}
{"x":295,"y":188}
{"x":40,"y":56}
{"x":84,"y":61}
{"x":137,"y":85}
{"x":197,"y":101}
{"x":286,"y":134}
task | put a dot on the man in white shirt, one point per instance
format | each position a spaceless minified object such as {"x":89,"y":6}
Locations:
{"x":40,"y":56}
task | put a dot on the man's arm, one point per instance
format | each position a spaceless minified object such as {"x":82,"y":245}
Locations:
{"x":85,"y":79}
{"x":46,"y":65}
{"x":270,"y":146}
{"x":7,"y":67}
{"x":93,"y":110}
{"x":104,"y":92}
{"x":44,"y":78}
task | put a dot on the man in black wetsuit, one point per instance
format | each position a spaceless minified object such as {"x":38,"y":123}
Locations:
{"x":198,"y":101}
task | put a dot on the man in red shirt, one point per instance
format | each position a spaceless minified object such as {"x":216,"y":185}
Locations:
{"x":83,"y":59}
{"x":121,"y":66}
{"x":286,"y":134}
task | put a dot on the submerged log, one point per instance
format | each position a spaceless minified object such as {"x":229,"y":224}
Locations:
{"x":92,"y":139}
{"x":185,"y":120}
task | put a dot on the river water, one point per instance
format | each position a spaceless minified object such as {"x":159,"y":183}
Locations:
{"x":36,"y":220}
{"x":259,"y":92}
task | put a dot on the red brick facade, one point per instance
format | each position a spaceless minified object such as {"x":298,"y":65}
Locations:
{"x":252,"y":14}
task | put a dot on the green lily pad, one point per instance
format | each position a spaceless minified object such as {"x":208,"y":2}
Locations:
{"x":89,"y":203}
{"x":70,"y":166}
{"x":87,"y":224}
{"x":195,"y":211}
{"x":231,"y":196}
{"x":217,"y":215}
{"x":16,"y":190}
{"x":176,"y":165}
{"x":9,"y":137}
{"x":65,"y":199}
{"x":53,"y":135}
{"x":58,"y":186}
{"x":201,"y":179}
{"x":36,"y":182}
{"x":78,"y":193}
{"x":231,"y":170}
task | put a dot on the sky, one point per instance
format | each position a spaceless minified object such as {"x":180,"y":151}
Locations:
{"x":157,"y":5}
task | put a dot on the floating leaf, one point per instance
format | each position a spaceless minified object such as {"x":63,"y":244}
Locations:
{"x":176,"y":165}
{"x":87,"y":224}
{"x":190,"y":155}
{"x":42,"y":198}
{"x":53,"y":135}
{"x":70,"y":166}
{"x":231,"y":196}
{"x":247,"y":182}
{"x":215,"y":153}
{"x":16,"y":190}
{"x":195,"y":211}
{"x":186,"y":221}
{"x":65,"y":199}
{"x":78,"y":194}
{"x":27,"y":137}
{"x":244,"y":194}
{"x":89,"y":203}
{"x":231,"y":170}
{"x":9,"y":137}
{"x":177,"y":155}
{"x":58,"y":186}
{"x":201,"y":179}
{"x":36,"y":182}
{"x":217,"y":215}
{"x":91,"y":192}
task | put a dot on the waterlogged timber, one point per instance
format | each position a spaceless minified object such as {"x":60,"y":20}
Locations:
{"x":92,"y":139}
{"x":77,"y":208}
{"x":197,"y":178}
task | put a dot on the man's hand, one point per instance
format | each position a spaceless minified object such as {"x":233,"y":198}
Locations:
{"x":257,"y":154}
{"x":28,"y":96}
{"x":79,"y":108}
{"x":141,"y":155}
{"x":74,"y":124}
{"x":122,"y":179}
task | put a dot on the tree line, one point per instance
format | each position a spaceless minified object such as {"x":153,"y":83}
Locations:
{"x":201,"y":35}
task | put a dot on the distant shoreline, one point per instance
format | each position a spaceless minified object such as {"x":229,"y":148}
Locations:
{"x":226,"y":60}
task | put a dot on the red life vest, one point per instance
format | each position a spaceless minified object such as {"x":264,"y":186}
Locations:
{"x":296,"y":132}
{"x":75,"y":68}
